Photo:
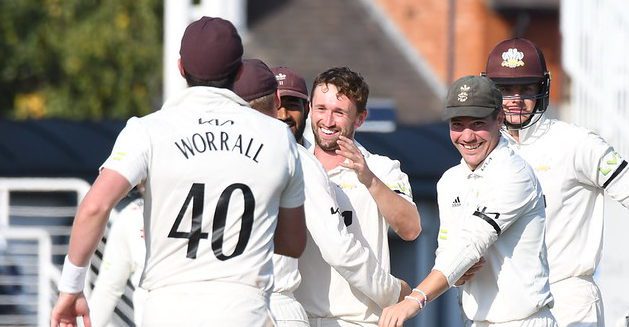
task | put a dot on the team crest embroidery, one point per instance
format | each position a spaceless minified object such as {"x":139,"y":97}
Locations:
{"x":512,"y":58}
{"x":463,"y":95}
{"x":280,"y":78}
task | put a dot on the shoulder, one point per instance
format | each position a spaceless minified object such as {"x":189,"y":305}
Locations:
{"x":509,"y":163}
{"x":309,"y":162}
{"x":380,"y":163}
{"x":450,"y":175}
{"x":568,"y":131}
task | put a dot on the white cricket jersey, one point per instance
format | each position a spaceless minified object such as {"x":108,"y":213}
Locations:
{"x":495,"y":212}
{"x":325,"y":291}
{"x":574,"y":167}
{"x":123,"y":259}
{"x":216,"y":173}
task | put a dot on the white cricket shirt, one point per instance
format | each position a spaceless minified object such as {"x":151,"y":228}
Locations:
{"x":574,"y":167}
{"x":123,"y":259}
{"x":216,"y":173}
{"x":495,"y":212}
{"x":325,"y":292}
{"x":331,"y":245}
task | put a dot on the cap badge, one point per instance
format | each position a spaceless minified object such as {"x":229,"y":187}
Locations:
{"x":512,"y":58}
{"x":280,"y":78}
{"x":462,"y":97}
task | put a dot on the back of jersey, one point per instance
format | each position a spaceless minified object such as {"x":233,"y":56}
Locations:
{"x":216,"y":174}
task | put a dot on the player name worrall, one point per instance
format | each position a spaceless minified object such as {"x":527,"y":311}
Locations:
{"x":199,"y":143}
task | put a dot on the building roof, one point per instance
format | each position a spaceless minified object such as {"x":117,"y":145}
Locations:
{"x":312,"y":36}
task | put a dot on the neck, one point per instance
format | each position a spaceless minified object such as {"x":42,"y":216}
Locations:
{"x":329,"y":159}
{"x":515,"y":133}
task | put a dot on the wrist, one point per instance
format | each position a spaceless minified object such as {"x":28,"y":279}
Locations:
{"x":424,"y":297}
{"x":418,"y":301}
{"x":72,"y":278}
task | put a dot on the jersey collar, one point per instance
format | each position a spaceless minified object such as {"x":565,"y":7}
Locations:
{"x":486,"y":165}
{"x":203,"y":96}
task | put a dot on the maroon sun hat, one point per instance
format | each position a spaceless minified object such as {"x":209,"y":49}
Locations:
{"x":290,"y":83}
{"x":211,"y":49}
{"x":254,"y":80}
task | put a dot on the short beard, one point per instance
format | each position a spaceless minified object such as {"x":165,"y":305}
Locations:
{"x":334,"y":145}
{"x":299,"y":132}
{"x":325,"y":147}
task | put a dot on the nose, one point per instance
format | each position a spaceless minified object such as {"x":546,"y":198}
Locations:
{"x":467,"y":135}
{"x":281,"y":113}
{"x":328,"y":118}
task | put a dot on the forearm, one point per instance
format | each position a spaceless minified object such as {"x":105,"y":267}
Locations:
{"x":87,"y":231}
{"x":433,"y":286}
{"x":290,"y":232}
{"x":399,"y":213}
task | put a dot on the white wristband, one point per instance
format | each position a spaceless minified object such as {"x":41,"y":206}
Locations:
{"x":72,"y":278}
{"x":421,"y":305}
{"x":423,"y":294}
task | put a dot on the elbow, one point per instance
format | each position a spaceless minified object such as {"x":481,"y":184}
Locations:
{"x":412,"y":231}
{"x":411,"y":234}
{"x":90,"y":209}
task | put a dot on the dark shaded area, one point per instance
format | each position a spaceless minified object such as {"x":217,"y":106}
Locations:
{"x":63,"y":148}
{"x":55,"y":147}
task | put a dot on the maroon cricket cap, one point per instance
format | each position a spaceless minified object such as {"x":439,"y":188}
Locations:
{"x":211,"y":49}
{"x":290,"y":83}
{"x":254,"y":80}
{"x":516,"y":61}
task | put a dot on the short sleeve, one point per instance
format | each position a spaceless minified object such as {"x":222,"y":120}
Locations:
{"x":596,"y":162}
{"x":396,"y":180}
{"x":131,"y":152}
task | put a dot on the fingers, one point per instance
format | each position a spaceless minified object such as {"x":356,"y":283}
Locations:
{"x":87,"y":322}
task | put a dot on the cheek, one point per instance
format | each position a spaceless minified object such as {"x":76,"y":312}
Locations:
{"x":530,"y":105}
{"x":454,"y":136}
{"x":296,"y":116}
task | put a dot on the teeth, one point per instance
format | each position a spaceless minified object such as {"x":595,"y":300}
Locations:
{"x":327,"y":131}
{"x":471,"y":147}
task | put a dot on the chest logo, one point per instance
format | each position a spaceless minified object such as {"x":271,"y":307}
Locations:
{"x":456,"y":202}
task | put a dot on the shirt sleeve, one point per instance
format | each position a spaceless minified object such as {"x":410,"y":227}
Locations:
{"x":131,"y":152}
{"x":293,"y":194}
{"x":598,"y":164}
{"x":396,"y":180}
{"x":115,"y":270}
{"x":338,"y":247}
{"x":505,"y":200}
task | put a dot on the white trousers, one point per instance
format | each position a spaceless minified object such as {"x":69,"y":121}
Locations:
{"x":209,"y":303}
{"x":578,"y":302}
{"x":287,"y":311}
{"x":542,"y":318}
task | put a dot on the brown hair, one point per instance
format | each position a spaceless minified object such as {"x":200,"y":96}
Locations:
{"x":350,"y":84}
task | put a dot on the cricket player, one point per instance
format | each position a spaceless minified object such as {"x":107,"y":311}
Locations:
{"x":490,"y":205}
{"x":328,"y":236}
{"x":575,"y":167}
{"x":123,"y":260}
{"x":224,"y":189}
{"x":372,"y":192}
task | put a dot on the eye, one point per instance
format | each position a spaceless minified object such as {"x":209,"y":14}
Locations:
{"x":479,"y":123}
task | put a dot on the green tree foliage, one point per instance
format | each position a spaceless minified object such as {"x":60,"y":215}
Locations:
{"x":80,"y":59}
